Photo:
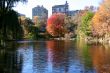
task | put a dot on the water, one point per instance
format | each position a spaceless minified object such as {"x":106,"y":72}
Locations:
{"x":55,"y":57}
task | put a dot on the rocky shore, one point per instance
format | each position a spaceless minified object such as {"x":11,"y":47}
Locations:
{"x":97,"y":40}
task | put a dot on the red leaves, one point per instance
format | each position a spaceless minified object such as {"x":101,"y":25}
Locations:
{"x":55,"y":24}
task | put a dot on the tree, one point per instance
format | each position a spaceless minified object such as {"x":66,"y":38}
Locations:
{"x":86,"y":23}
{"x":25,"y":24}
{"x":80,"y":19}
{"x":13,"y":30}
{"x":5,"y":20}
{"x":69,"y":24}
{"x":33,"y":32}
{"x":6,"y":5}
{"x":30,"y":30}
{"x":101,"y":20}
{"x":55,"y":24}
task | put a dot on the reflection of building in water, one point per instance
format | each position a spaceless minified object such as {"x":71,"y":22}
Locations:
{"x":34,"y":57}
{"x":101,"y":58}
{"x":57,"y":56}
{"x":39,"y":57}
{"x":26,"y":50}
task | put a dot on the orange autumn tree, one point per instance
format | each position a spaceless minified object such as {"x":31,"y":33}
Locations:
{"x":101,"y":20}
{"x":55,"y":24}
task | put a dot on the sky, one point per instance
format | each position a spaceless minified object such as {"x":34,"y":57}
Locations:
{"x":73,"y":5}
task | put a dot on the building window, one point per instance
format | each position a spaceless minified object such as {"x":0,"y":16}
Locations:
{"x":59,"y":9}
{"x":62,"y":9}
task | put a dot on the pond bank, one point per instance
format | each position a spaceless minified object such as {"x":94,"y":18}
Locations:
{"x":97,"y":40}
{"x":64,"y":39}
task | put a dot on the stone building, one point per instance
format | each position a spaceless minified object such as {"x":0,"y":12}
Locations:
{"x":39,"y":17}
{"x":61,"y":8}
{"x":40,"y":12}
{"x":64,"y":9}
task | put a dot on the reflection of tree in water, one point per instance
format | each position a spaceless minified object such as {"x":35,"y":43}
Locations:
{"x":85,"y":56}
{"x":58,"y":55}
{"x":9,"y":62}
{"x":101,"y":58}
{"x":87,"y":60}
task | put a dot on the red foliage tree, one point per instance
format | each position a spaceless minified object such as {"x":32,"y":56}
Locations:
{"x":55,"y":24}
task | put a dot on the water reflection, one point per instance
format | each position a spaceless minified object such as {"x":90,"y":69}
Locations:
{"x":101,"y":58}
{"x":63,"y":57}
{"x":85,"y":57}
{"x":40,"y":57}
{"x":26,"y":50}
{"x":10,"y":62}
{"x":55,"y":57}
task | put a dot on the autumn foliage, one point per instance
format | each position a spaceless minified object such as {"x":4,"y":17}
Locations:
{"x":55,"y":24}
{"x":101,"y":20}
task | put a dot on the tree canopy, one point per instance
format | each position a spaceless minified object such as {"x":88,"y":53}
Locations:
{"x":101,"y":20}
{"x":9,"y":24}
{"x":86,"y":23}
{"x":55,"y":24}
{"x":8,"y":4}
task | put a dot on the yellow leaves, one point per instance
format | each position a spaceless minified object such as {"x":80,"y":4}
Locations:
{"x":101,"y":19}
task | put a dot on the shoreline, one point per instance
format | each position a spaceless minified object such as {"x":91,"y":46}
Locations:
{"x":97,"y":40}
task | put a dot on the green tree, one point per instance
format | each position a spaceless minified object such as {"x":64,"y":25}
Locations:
{"x":13,"y":28}
{"x":33,"y":32}
{"x":85,"y":27}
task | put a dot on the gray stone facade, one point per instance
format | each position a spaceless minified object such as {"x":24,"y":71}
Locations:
{"x":63,"y":9}
{"x":40,"y":11}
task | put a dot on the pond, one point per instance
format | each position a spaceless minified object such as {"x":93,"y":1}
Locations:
{"x":55,"y":56}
